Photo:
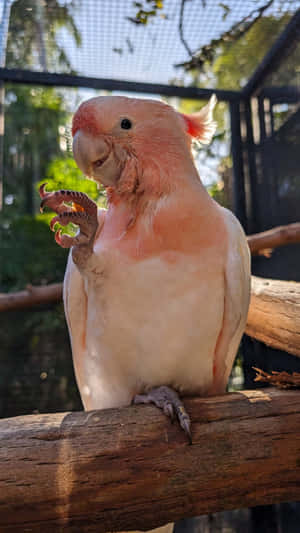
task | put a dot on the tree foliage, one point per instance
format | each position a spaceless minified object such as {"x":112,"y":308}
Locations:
{"x":32,"y":138}
{"x":236,"y":61}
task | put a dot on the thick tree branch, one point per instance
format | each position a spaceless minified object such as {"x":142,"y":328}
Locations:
{"x":274,"y":316}
{"x":129,"y":469}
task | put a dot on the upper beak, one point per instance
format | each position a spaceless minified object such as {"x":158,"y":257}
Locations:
{"x":98,"y":158}
{"x":89,"y":152}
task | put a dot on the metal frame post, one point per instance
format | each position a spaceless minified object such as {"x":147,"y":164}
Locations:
{"x":239,"y":197}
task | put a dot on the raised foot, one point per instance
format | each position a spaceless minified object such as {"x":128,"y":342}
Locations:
{"x":79,"y":210}
{"x":168,"y":400}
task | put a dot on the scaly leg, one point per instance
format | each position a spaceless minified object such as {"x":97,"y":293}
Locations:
{"x":168,"y":400}
{"x":83,"y":212}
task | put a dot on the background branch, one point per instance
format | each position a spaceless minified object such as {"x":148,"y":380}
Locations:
{"x":279,"y":236}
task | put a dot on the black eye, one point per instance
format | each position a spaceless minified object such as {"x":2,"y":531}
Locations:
{"x":126,"y":124}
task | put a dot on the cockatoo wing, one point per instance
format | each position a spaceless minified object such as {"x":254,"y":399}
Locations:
{"x":75,"y":303}
{"x":76,"y":306}
{"x":237,"y":279}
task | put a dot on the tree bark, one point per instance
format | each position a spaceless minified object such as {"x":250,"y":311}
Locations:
{"x":131,"y":468}
{"x":274,"y":314}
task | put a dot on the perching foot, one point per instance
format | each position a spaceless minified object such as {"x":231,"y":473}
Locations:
{"x":168,"y":400}
{"x":79,"y":210}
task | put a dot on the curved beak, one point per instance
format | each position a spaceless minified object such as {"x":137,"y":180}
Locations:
{"x":95,"y":157}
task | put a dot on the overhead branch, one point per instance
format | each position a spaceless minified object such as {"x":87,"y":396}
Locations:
{"x":180,"y":29}
{"x":132,"y":469}
{"x":207,"y":52}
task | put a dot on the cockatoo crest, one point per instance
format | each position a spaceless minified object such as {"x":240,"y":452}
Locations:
{"x":201,"y":125}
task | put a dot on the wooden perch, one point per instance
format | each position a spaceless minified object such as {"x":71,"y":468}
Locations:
{"x":274,"y":314}
{"x":130,"y":468}
{"x":280,"y":236}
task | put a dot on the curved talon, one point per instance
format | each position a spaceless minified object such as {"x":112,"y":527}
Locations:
{"x":42,"y":191}
{"x":43,"y":195}
{"x":57,"y":236}
{"x":53,"y":221}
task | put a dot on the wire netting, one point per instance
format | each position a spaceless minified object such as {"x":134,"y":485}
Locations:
{"x":107,"y":44}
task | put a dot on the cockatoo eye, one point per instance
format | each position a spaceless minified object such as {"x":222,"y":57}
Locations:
{"x":126,"y":124}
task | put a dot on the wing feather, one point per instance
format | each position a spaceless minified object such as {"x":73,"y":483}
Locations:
{"x":237,"y":279}
{"x":75,"y":303}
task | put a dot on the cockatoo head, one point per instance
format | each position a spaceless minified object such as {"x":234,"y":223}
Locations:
{"x":133,"y":144}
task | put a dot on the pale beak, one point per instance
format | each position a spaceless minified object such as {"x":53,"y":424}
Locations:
{"x":94,"y":155}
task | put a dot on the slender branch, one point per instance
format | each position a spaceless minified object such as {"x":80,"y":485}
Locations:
{"x":282,"y":380}
{"x":263,"y":243}
{"x":180,"y":28}
{"x":238,"y":30}
{"x":31,"y":297}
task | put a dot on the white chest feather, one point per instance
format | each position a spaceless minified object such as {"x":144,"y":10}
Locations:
{"x":148,"y":323}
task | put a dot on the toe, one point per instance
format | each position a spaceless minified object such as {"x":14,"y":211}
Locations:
{"x":184,"y":421}
{"x":169,"y":401}
{"x":169,"y":411}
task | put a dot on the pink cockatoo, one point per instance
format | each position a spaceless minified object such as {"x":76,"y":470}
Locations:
{"x":157,"y":286}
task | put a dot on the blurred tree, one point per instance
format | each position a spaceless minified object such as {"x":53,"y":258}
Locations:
{"x":236,"y":61}
{"x":34,"y":116}
{"x":32,"y":41}
{"x":33,"y":33}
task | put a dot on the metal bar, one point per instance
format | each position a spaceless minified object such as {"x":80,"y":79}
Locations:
{"x":272,"y":119}
{"x":291,"y":122}
{"x":239,"y":197}
{"x":251,"y":153}
{"x":3,"y":43}
{"x":67,"y":80}
{"x":261,"y":116}
{"x":279,"y":95}
{"x":274,"y":55}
